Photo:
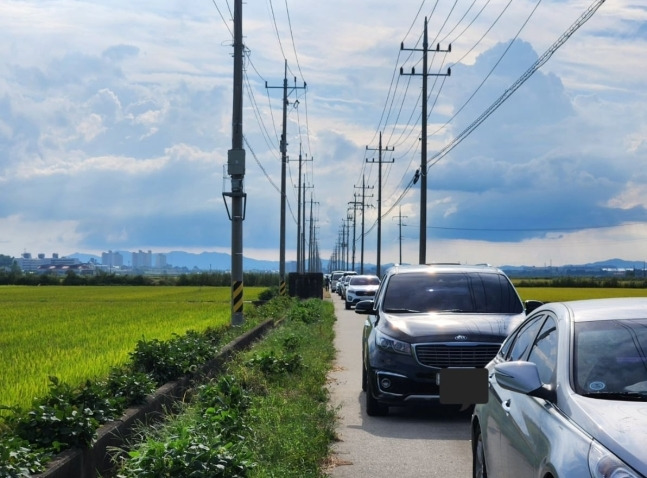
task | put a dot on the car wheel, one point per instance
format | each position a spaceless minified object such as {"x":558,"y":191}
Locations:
{"x":373,"y":407}
{"x":347,"y":305}
{"x":479,"y":469}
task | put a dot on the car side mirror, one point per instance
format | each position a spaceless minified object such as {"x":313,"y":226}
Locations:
{"x":531,"y":305}
{"x":364,"y":307}
{"x":523,"y":377}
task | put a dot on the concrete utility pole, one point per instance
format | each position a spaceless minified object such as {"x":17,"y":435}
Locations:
{"x":344,"y":245}
{"x":284,"y":162}
{"x":354,"y":205}
{"x":364,"y":196}
{"x":300,"y":225}
{"x":311,"y":241}
{"x":399,"y":217}
{"x":423,"y":147}
{"x":236,"y":169}
{"x":379,"y":199}
{"x":303,"y":228}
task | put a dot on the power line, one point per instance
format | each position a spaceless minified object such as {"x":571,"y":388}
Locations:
{"x":515,"y":86}
{"x":508,"y":92}
{"x":223,"y":18}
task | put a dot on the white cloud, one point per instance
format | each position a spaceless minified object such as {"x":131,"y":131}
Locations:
{"x":115,"y":122}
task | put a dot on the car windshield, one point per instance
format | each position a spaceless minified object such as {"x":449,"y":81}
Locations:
{"x":609,"y":358}
{"x":455,"y":292}
{"x":365,"y":281}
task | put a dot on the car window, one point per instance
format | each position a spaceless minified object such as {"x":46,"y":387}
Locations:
{"x":364,"y":281}
{"x":524,"y":339}
{"x":495,"y":293}
{"x":610,"y":356}
{"x":458,"y":292}
{"x":544,"y":351}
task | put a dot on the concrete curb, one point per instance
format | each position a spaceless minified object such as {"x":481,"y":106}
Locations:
{"x":90,"y":462}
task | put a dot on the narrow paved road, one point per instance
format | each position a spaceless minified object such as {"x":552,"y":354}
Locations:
{"x":409,"y":442}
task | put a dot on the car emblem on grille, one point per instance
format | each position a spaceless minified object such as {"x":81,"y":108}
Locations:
{"x":460,"y":337}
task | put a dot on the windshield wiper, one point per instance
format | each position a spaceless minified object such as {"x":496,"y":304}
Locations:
{"x":629,"y":396}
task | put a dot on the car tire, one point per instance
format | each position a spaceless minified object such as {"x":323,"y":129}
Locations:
{"x":364,"y":379}
{"x":479,"y":470}
{"x":348,"y":305}
{"x":373,"y":407}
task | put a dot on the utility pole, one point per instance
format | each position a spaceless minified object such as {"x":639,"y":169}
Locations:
{"x":303,"y":221}
{"x":236,"y":169}
{"x":300,"y":258}
{"x":364,"y":196}
{"x":342,"y":246}
{"x":379,"y":198}
{"x":354,"y":205}
{"x":284,"y":162}
{"x":400,"y":216}
{"x":423,"y":147}
{"x":311,"y":243}
{"x":347,"y":238}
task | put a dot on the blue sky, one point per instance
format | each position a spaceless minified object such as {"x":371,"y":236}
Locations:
{"x":115,"y":121}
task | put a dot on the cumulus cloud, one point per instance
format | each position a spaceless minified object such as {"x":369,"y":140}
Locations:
{"x":115,"y":123}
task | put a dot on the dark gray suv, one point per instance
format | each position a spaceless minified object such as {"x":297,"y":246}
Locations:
{"x":425,"y":318}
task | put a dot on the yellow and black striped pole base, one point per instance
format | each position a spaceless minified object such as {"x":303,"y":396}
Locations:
{"x":237,"y":302}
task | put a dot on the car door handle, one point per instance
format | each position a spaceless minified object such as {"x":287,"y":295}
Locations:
{"x":506,"y":405}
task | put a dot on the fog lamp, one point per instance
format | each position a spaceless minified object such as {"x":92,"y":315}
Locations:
{"x":385,"y":383}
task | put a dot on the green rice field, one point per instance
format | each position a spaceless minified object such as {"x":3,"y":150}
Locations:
{"x":558,"y":294}
{"x":80,"y":333}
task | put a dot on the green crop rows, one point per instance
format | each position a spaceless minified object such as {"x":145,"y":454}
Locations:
{"x":80,"y":333}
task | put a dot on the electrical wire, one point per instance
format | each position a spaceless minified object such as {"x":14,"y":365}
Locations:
{"x":223,"y":18}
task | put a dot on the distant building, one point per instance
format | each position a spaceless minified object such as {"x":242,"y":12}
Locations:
{"x":29,"y":264}
{"x":142,"y":260}
{"x":63,"y":269}
{"x":112,"y":259}
{"x":160,"y":261}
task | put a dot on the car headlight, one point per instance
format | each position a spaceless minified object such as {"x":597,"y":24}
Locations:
{"x":604,"y":464}
{"x":389,"y":343}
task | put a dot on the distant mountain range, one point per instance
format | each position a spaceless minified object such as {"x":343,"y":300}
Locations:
{"x":219,"y":261}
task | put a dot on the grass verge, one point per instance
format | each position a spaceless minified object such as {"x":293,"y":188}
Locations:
{"x":267,"y":415}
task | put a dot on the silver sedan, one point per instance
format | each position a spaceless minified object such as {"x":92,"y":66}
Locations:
{"x":568,"y":395}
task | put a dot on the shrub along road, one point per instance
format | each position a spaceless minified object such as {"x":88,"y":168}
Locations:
{"x":409,"y":442}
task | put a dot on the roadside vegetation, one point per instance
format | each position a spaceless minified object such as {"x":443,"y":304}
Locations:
{"x":267,"y":415}
{"x":70,"y":414}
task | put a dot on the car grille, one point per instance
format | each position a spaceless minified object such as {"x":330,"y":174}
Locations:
{"x":365,"y":293}
{"x":443,"y":356}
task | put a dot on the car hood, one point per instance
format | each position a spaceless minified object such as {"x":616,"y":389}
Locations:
{"x":443,"y":327}
{"x":618,"y":425}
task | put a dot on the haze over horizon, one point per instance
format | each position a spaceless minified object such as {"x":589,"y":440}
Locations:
{"x":115,"y":121}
